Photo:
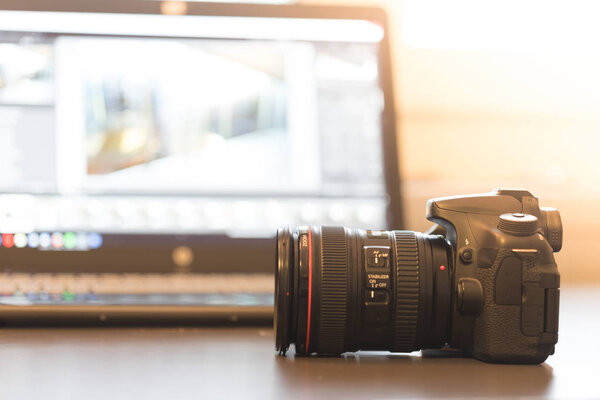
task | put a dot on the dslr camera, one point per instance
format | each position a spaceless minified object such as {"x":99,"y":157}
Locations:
{"x":482,"y":280}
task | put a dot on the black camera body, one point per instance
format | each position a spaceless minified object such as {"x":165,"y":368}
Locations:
{"x":506,"y":282}
{"x":482,"y":280}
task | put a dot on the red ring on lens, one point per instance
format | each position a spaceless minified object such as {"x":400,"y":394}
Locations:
{"x":310,"y":262}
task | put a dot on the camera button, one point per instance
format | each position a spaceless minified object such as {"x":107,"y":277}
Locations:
{"x":466,"y":255}
{"x":377,"y":256}
{"x":518,"y":224}
{"x":377,"y":309}
{"x":469,"y":296}
{"x":377,"y":296}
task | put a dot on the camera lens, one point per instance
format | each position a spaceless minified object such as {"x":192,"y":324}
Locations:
{"x":339,"y":289}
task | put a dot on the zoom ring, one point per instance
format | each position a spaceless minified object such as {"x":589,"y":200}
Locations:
{"x":334,"y":290}
{"x":407,"y":292}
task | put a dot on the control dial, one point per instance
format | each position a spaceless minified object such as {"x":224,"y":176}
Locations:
{"x":518,"y":224}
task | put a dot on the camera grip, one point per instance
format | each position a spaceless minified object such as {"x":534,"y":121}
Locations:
{"x":519,"y":319}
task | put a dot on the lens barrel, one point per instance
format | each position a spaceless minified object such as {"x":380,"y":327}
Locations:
{"x":339,"y":289}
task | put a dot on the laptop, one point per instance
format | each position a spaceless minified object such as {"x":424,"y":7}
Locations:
{"x":151,"y":149}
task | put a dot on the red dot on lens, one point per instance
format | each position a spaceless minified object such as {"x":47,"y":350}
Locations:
{"x":442,"y":268}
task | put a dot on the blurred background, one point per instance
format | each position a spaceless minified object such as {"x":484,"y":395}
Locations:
{"x":501,"y":93}
{"x":189,"y":131}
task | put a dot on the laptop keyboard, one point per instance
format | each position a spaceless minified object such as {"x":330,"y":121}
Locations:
{"x":137,"y":289}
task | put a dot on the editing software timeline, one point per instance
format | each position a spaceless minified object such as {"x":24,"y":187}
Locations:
{"x":149,"y":159}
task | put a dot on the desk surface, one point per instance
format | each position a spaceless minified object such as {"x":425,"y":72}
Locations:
{"x":213,"y":363}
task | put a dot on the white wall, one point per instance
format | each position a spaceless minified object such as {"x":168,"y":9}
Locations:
{"x":502,"y":93}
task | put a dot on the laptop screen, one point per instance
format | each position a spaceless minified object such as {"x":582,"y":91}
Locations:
{"x":169,"y":143}
{"x":187,"y":124}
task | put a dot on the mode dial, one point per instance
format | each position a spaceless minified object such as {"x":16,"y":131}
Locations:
{"x":518,"y":224}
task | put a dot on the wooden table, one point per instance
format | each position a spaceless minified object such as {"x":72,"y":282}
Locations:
{"x":210,"y":363}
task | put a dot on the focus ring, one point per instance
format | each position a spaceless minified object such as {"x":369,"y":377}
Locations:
{"x":334,"y":290}
{"x":407,"y":291}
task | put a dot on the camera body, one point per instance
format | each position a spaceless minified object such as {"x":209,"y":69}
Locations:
{"x":482,"y":280}
{"x":505,"y":280}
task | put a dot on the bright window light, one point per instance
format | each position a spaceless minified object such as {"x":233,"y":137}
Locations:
{"x":509,"y":25}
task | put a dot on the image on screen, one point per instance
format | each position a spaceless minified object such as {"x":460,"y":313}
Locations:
{"x":132,"y":132}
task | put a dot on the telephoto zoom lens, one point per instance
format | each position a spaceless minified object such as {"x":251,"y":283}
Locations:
{"x":339,"y":290}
